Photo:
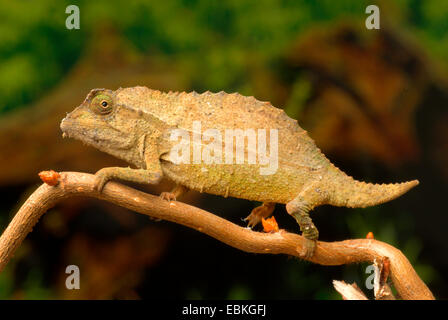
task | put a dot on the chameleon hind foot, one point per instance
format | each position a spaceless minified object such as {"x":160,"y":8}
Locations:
{"x":309,"y":248}
{"x":173,"y":194}
{"x":263,"y":211}
{"x":309,"y":231}
{"x":168,"y":196}
{"x":299,"y":208}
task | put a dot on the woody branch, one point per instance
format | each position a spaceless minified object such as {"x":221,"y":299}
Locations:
{"x":70,"y":184}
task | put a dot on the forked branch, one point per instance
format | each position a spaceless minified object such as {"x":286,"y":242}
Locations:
{"x":70,"y":184}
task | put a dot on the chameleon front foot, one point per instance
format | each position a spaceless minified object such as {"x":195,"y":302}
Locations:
{"x":263,"y":211}
{"x":127,"y":174}
{"x":101,"y":178}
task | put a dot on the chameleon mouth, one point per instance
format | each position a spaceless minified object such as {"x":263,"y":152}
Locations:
{"x":67,"y":128}
{"x":64,"y":128}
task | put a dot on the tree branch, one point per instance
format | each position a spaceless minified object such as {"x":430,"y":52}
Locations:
{"x":70,"y":184}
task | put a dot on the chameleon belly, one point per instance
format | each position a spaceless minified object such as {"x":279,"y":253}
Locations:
{"x":239,"y":181}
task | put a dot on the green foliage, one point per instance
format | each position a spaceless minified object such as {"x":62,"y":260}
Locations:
{"x":36,"y":50}
{"x":301,"y":91}
{"x":7,"y":282}
{"x":239,"y":292}
{"x":216,"y":40}
{"x":33,"y":287}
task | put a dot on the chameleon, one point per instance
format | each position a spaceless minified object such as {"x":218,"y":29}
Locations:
{"x":136,"y":124}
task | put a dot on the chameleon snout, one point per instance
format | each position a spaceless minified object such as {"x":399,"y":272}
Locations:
{"x":70,"y":122}
{"x":64,"y":127}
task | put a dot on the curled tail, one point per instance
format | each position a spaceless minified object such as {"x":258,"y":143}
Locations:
{"x":356,"y":194}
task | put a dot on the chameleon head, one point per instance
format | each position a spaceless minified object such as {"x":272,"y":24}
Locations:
{"x":100,"y":121}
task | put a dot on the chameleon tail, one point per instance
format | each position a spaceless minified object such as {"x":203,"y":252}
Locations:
{"x":357,"y":194}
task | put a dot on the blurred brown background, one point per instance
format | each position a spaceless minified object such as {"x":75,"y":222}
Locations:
{"x":373,"y":100}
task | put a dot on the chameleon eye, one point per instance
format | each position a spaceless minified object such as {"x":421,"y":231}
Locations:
{"x":101,"y":104}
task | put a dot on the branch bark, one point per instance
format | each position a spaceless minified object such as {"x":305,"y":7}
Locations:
{"x":70,"y":184}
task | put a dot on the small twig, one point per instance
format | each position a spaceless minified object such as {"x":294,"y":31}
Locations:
{"x":405,"y":279}
{"x":382,"y":289}
{"x":349,"y":291}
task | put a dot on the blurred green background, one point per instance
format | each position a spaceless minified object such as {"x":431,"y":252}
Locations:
{"x":373,"y":100}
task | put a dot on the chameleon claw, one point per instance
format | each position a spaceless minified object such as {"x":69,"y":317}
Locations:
{"x":257,"y":213}
{"x":309,"y":230}
{"x":308,"y":249}
{"x":101,"y":178}
{"x":100,"y":182}
{"x":168,"y":196}
{"x":173,"y":194}
{"x":252,"y":221}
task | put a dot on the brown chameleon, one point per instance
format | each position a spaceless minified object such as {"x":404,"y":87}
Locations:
{"x":137,"y":125}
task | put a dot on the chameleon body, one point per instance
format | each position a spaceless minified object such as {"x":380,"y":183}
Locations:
{"x":136,"y":124}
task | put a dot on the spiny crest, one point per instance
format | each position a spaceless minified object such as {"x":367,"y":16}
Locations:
{"x":246,"y":100}
{"x":250,"y":111}
{"x":236,"y":95}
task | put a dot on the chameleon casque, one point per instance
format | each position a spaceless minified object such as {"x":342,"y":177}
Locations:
{"x":134,"y":124}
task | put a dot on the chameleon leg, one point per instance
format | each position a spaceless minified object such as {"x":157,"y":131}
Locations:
{"x":299,"y":208}
{"x":127,"y":174}
{"x":263,"y":211}
{"x":175,"y":193}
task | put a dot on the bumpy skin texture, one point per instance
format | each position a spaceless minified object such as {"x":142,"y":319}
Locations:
{"x":134,"y":124}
